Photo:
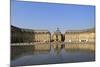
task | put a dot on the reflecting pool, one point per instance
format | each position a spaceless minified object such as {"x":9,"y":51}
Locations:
{"x":49,"y":54}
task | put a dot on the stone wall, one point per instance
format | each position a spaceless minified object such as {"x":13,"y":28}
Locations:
{"x":19,"y":35}
{"x":80,"y":36}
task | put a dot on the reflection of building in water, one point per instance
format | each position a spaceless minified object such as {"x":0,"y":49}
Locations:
{"x":29,"y":35}
{"x":80,"y":35}
{"x":57,"y":36}
{"x":17,"y":51}
{"x":42,"y":47}
{"x":80,"y":46}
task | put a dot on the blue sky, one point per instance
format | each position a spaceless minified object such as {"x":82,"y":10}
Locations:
{"x":35,"y":15}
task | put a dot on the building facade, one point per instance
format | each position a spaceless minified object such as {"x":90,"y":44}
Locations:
{"x":19,"y":35}
{"x":16,"y":35}
{"x":80,"y":35}
{"x":71,"y":36}
{"x":42,"y":36}
{"x":57,"y":35}
{"x":29,"y":35}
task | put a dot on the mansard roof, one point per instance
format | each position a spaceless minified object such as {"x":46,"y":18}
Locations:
{"x":13,"y":28}
{"x":29,"y":30}
{"x":80,"y":31}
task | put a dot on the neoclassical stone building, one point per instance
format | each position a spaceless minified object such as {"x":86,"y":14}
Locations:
{"x":71,"y":36}
{"x":29,"y":35}
{"x":87,"y":35}
{"x":20,"y":35}
{"x":16,"y":35}
{"x":42,"y":36}
{"x":57,"y":36}
{"x":80,"y":35}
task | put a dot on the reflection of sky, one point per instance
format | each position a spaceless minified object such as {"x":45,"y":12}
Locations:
{"x":50,"y":16}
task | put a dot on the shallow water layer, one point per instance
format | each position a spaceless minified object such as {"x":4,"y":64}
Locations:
{"x":48,"y":54}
